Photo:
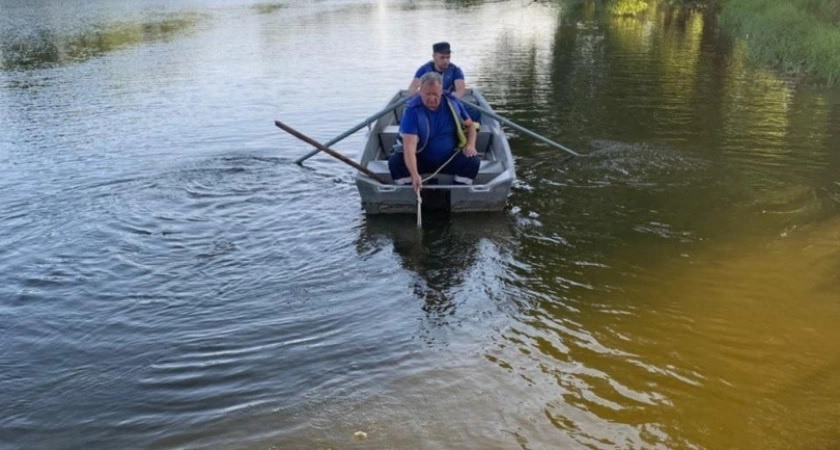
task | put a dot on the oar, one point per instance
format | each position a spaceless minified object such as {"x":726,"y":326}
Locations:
{"x":334,"y":153}
{"x":521,"y":128}
{"x":356,"y":128}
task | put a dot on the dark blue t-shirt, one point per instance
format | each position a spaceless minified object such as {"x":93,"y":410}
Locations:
{"x":449,"y":75}
{"x":438,"y":145}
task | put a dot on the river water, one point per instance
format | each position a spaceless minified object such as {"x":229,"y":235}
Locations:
{"x":169,"y":278}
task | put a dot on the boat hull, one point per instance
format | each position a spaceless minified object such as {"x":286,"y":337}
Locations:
{"x":385,"y":199}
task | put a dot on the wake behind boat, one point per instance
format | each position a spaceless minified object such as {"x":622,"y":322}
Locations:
{"x":489,"y":191}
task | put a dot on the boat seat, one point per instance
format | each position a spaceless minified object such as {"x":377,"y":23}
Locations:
{"x":488,"y":171}
{"x":483,"y":139}
{"x":379,"y":167}
{"x":388,"y":137}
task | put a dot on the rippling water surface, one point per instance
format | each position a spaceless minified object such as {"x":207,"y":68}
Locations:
{"x":170,"y":278}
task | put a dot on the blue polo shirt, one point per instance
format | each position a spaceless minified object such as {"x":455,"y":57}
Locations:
{"x":437,"y":136}
{"x":449,"y":75}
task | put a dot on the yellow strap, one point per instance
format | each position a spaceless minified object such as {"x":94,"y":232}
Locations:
{"x":459,"y":126}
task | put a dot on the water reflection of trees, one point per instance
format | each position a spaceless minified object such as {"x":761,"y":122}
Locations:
{"x":667,"y":77}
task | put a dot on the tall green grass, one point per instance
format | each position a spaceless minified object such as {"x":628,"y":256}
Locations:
{"x":799,"y":37}
{"x":627,"y":7}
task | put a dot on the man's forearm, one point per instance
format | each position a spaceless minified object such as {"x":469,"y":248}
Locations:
{"x":471,"y":134}
{"x":410,"y":158}
{"x":460,"y":89}
{"x":413,"y":86}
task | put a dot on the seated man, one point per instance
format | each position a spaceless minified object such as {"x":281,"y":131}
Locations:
{"x":431,"y":130}
{"x":453,"y":77}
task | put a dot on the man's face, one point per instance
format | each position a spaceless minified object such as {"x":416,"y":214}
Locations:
{"x":430,"y":94}
{"x":441,"y":60}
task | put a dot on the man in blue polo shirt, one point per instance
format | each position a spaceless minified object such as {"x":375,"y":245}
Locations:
{"x":433,"y":126}
{"x":453,"y":77}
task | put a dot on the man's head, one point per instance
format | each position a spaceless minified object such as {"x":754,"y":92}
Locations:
{"x":431,"y":89}
{"x":441,"y":52}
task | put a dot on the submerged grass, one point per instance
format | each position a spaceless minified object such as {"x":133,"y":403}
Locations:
{"x":268,"y":8}
{"x":799,"y":37}
{"x":45,"y":48}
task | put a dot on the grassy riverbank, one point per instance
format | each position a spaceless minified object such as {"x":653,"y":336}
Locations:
{"x":799,"y":38}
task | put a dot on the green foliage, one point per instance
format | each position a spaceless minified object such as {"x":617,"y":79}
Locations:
{"x":627,"y":7}
{"x":796,"y":36}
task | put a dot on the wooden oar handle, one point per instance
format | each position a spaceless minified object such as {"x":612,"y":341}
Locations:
{"x":329,"y":151}
{"x":356,"y":128}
